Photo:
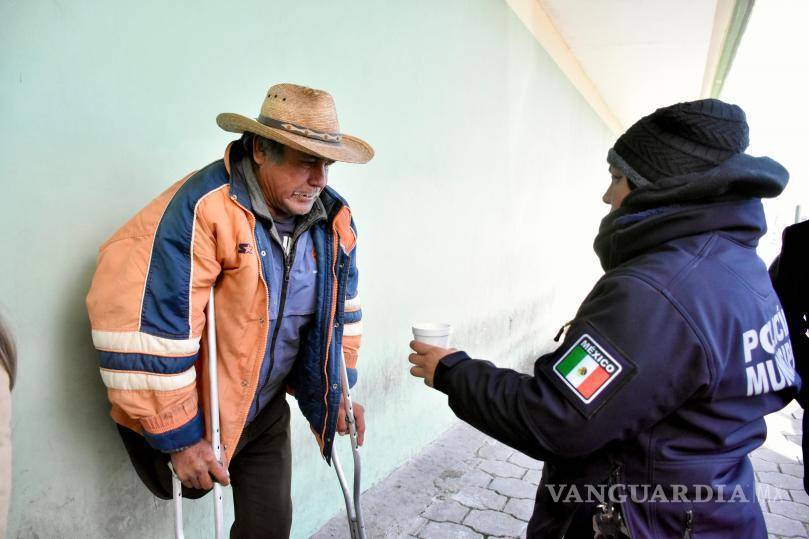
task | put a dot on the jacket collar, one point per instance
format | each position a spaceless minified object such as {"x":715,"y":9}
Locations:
{"x":739,"y":177}
{"x":624,"y":235}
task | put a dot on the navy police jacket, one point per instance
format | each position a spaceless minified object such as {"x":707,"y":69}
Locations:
{"x":788,"y":274}
{"x":658,"y":392}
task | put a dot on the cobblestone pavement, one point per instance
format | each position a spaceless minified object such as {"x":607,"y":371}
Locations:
{"x":466,"y":485}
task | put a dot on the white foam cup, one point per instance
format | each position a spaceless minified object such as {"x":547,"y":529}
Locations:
{"x":435,"y":334}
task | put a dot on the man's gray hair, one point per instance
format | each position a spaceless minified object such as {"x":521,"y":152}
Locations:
{"x":272,"y":149}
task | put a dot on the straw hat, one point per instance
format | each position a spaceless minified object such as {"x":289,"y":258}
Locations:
{"x":304,"y":119}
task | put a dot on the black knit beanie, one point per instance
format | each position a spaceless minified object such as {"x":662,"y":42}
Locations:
{"x":680,"y":139}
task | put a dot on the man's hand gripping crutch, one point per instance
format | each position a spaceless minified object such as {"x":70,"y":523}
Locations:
{"x":355,"y":425}
{"x":200,"y":466}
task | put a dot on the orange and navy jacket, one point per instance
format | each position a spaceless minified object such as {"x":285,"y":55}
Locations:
{"x":147,"y":311}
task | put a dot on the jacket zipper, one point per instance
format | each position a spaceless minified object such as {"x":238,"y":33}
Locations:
{"x":689,"y":525}
{"x":289,"y":257}
{"x":616,"y":479}
{"x":329,"y":328}
{"x":562,"y":330}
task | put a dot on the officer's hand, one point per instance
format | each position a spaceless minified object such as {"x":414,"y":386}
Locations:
{"x":195,"y":465}
{"x":359,"y":418}
{"x":426,"y":359}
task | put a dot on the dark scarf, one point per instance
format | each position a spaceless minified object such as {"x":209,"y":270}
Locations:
{"x":726,"y":197}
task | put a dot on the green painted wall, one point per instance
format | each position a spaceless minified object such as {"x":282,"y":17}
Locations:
{"x":478,"y":210}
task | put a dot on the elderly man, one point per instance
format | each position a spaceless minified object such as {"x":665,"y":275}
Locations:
{"x":280,"y":247}
{"x":646,"y":413}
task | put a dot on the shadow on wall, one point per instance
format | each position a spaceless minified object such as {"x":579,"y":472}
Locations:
{"x":83,"y":399}
{"x":82,"y":387}
{"x":109,"y":499}
{"x":68,"y":455}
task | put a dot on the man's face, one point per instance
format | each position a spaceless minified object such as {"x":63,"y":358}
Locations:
{"x":618,"y":189}
{"x":292,"y":185}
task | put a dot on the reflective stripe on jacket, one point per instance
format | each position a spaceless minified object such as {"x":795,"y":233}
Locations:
{"x":147,"y":311}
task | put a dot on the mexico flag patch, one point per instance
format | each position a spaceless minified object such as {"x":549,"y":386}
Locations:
{"x":587,"y":368}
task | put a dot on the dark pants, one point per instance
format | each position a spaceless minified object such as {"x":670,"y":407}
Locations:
{"x":260,"y":473}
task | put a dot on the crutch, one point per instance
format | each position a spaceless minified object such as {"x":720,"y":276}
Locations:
{"x":356,"y":523}
{"x":176,"y":485}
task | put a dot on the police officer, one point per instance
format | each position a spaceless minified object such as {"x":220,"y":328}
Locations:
{"x":646,"y":414}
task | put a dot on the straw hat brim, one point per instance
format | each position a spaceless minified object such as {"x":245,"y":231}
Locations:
{"x":349,"y":150}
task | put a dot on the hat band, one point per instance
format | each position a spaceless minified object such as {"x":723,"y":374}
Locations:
{"x":333,"y":138}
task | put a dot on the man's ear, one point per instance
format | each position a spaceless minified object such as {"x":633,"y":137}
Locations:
{"x":258,"y":156}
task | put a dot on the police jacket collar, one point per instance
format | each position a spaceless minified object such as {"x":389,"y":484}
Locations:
{"x":624,"y":235}
{"x":739,"y":177}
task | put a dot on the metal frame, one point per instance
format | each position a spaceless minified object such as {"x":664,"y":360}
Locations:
{"x":176,"y":485}
{"x":356,"y":522}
